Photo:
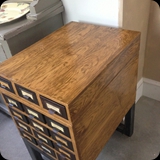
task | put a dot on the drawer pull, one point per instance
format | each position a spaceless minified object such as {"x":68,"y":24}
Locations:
{"x":51,"y":111}
{"x":4,"y":87}
{"x":40,"y":141}
{"x":21,"y":129}
{"x":31,"y":116}
{"x":10,"y":105}
{"x":37,"y":129}
{"x":62,"y":156}
{"x":59,"y":144}
{"x":27,"y":97}
{"x":16,"y":117}
{"x":55,"y":130}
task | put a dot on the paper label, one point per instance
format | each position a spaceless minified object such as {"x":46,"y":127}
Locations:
{"x":4,"y":84}
{"x":21,"y":125}
{"x":27,"y":137}
{"x":62,"y":151}
{"x":13,"y":102}
{"x":33,"y":113}
{"x":46,"y":149}
{"x":36,"y":125}
{"x":61,"y":140}
{"x":56,"y":126}
{"x":42,"y":138}
{"x":27,"y":94}
{"x":53,"y":107}
{"x":16,"y":114}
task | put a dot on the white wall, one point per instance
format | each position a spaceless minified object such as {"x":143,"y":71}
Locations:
{"x":105,"y":12}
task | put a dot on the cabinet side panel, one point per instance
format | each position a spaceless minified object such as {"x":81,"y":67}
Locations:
{"x":95,"y":126}
{"x":80,"y":104}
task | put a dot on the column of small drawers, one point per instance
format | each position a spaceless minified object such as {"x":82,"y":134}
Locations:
{"x":8,"y":89}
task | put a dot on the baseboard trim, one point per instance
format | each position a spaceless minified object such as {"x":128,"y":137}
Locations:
{"x":139,"y":92}
{"x":151,"y":89}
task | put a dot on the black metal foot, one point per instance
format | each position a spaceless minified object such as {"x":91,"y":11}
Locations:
{"x":128,"y":127}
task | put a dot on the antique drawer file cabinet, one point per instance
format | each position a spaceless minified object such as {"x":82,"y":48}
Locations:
{"x":68,"y":92}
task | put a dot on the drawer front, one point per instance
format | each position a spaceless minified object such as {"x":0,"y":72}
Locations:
{"x":23,"y":127}
{"x":39,"y":128}
{"x":65,"y":153}
{"x":57,"y":127}
{"x":62,"y":141}
{"x":27,"y":94}
{"x":62,"y":157}
{"x":19,"y":116}
{"x":32,"y":114}
{"x":43,"y":139}
{"x":46,"y":149}
{"x":12,"y":102}
{"x":28,"y":137}
{"x":6,"y":84}
{"x":53,"y":107}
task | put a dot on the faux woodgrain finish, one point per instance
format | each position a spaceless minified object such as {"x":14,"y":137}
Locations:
{"x":64,"y":63}
{"x":90,"y":70}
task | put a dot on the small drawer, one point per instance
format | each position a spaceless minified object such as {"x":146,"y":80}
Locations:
{"x":32,"y":114}
{"x":12,"y":102}
{"x":62,"y":141}
{"x":53,"y":107}
{"x":43,"y":139}
{"x":28,"y":137}
{"x":62,"y":157}
{"x":57,"y":127}
{"x":46,"y":149}
{"x":23,"y":127}
{"x":39,"y":128}
{"x":6,"y":84}
{"x":64,"y":152}
{"x":27,"y":94}
{"x":18,"y":116}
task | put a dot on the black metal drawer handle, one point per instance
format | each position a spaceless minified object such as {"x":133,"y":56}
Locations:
{"x":51,"y":111}
{"x":31,"y":116}
{"x":10,"y":105}
{"x":4,"y":87}
{"x":37,"y":129}
{"x":27,"y":97}
{"x":55,"y":130}
{"x":63,"y":156}
{"x":59,"y":144}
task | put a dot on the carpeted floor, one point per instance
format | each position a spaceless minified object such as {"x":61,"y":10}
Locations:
{"x":143,"y":145}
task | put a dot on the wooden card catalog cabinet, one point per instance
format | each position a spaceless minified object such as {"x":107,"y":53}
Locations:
{"x":68,"y":92}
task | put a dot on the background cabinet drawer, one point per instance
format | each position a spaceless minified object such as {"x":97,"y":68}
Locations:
{"x":28,"y":137}
{"x":62,"y":157}
{"x":46,"y":149}
{"x":65,"y":153}
{"x":57,"y":127}
{"x":43,"y":139}
{"x":39,"y":128}
{"x":62,"y":141}
{"x":32,"y":114}
{"x":26,"y":94}
{"x":53,"y":107}
{"x":18,"y":116}
{"x":12,"y":102}
{"x":22,"y":126}
{"x":6,"y":84}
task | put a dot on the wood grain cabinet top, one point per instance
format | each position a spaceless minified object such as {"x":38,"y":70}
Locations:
{"x":83,"y":77}
{"x":62,"y":64}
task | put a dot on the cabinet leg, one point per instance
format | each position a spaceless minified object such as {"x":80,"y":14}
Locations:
{"x":35,"y":155}
{"x":128,"y":127}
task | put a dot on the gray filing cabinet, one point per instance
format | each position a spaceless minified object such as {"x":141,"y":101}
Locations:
{"x":23,"y":32}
